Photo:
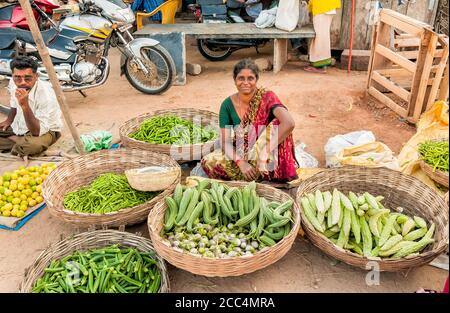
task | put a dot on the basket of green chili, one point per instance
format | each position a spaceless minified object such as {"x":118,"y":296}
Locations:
{"x":434,"y":160}
{"x":185,"y":134}
{"x":102,"y":261}
{"x":93,"y":189}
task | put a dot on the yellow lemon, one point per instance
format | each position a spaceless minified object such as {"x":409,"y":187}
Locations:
{"x":23,"y":172}
{"x":8,"y":192}
{"x":16,"y":194}
{"x":32,"y":203}
{"x":24,"y":202}
{"x":16,"y":207}
{"x":3,"y":197}
{"x":39,"y":188}
{"x":6,"y":184}
{"x":10,"y":199}
{"x":14,"y":212}
{"x":32,"y":182}
{"x":39,"y":180}
{"x":23,"y":197}
{"x":13,"y":187}
{"x":1,"y":181}
{"x":14,"y":176}
{"x":34,"y":195}
{"x":27,"y":192}
{"x":6,"y":213}
{"x":33,"y":189}
{"x":20,"y":213}
{"x":16,"y":201}
{"x":39,"y":199}
{"x":20,"y":187}
{"x":2,"y":190}
{"x":8,"y":206}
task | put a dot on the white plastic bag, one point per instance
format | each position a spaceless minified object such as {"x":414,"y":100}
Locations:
{"x":304,"y":159}
{"x":360,"y":149}
{"x":266,"y":18}
{"x":303,"y":17}
{"x":287,"y":15}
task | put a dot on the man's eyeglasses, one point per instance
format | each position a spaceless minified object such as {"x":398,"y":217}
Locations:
{"x":26,"y":78}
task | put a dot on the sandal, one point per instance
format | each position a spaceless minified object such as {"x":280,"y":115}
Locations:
{"x":312,"y":69}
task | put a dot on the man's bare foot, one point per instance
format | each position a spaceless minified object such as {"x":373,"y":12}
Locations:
{"x":312,"y":69}
{"x":25,"y":160}
{"x":13,"y":138}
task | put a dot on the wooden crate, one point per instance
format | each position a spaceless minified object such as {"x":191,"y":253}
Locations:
{"x":408,"y":68}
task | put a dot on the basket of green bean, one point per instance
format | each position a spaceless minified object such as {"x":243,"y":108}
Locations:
{"x":102,"y":261}
{"x":93,"y":190}
{"x":185,"y":134}
{"x":434,"y":156}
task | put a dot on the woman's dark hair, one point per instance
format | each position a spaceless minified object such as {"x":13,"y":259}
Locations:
{"x":246,"y":64}
{"x":22,"y":63}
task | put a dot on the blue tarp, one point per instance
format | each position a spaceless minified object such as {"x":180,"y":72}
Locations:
{"x":148,"y":6}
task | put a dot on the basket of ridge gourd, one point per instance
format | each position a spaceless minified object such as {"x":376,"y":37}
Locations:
{"x":92,"y":190}
{"x":185,"y":134}
{"x":358,"y":214}
{"x":102,"y":261}
{"x":434,"y":155}
{"x":217,"y":228}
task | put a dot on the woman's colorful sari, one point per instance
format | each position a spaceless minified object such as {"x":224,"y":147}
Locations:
{"x":255,"y":132}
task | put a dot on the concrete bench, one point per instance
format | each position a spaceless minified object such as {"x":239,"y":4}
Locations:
{"x":220,"y":31}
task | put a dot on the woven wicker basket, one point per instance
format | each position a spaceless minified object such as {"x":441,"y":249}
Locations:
{"x":87,"y":241}
{"x":399,"y":190}
{"x":178,"y":153}
{"x":82,"y":170}
{"x":438,"y":176}
{"x":153,"y":181}
{"x":224,"y":267}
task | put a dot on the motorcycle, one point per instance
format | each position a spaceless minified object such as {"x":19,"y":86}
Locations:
{"x":12,"y":15}
{"x":220,"y":49}
{"x":80,"y":44}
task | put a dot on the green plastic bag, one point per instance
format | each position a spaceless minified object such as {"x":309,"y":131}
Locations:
{"x":97,"y":140}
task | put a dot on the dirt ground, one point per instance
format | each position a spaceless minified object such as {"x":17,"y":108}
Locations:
{"x":322,"y":106}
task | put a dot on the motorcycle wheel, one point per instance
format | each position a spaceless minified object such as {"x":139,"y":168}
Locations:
{"x":158,"y":64}
{"x":214,"y":54}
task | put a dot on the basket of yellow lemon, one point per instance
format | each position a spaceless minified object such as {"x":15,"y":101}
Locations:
{"x":21,"y":192}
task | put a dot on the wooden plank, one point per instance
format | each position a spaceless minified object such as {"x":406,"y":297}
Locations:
{"x":226,"y":31}
{"x":443,"y":89}
{"x":390,"y":85}
{"x":403,"y":22}
{"x":388,"y":102}
{"x":394,"y":57}
{"x":372,"y":53}
{"x":438,"y":77}
{"x":279,"y":54}
{"x":406,"y":42}
{"x":420,"y":80}
{"x":412,"y":55}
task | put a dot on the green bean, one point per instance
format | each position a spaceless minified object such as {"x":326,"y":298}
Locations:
{"x":170,"y":129}
{"x":108,"y":193}
{"x":436,"y":154}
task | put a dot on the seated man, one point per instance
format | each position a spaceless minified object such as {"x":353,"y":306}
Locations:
{"x":34,"y":122}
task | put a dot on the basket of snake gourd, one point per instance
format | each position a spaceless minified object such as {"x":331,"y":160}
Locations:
{"x":217,"y":228}
{"x":185,"y":134}
{"x":93,"y":189}
{"x":358,"y":215}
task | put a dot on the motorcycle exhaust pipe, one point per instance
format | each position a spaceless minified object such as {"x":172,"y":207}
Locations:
{"x":235,"y":44}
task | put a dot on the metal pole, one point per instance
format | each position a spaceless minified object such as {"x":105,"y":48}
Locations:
{"x":45,"y":56}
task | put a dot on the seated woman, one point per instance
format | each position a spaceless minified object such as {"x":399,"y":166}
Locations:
{"x":256,"y":133}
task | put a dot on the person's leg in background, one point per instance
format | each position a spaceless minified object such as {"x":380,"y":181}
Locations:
{"x":29,"y":145}
{"x":320,"y":47}
{"x":6,"y":144}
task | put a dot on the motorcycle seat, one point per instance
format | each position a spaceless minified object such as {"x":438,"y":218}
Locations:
{"x":11,"y":34}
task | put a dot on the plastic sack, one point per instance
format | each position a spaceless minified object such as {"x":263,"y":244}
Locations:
{"x":359,"y":149}
{"x":433,"y":124}
{"x":303,"y":18}
{"x":287,"y":15}
{"x":266,"y":18}
{"x":97,"y":140}
{"x":304,"y":159}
